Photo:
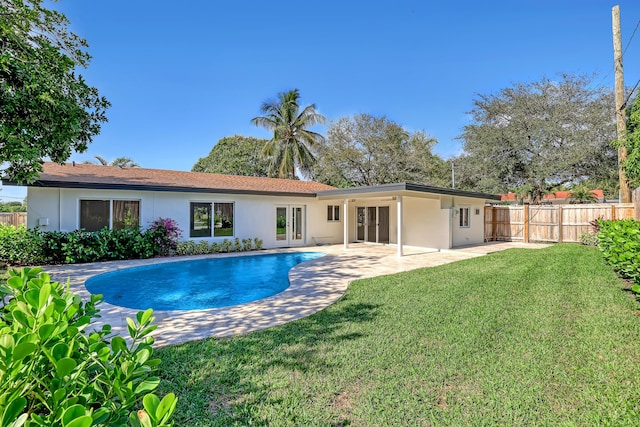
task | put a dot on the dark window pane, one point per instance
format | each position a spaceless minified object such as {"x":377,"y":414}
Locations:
{"x":329,"y":213}
{"x":223,"y":219}
{"x":200,"y":220}
{"x":94,"y":214}
{"x":336,"y":213}
{"x":126,"y":214}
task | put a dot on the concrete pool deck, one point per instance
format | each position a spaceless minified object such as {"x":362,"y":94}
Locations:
{"x":314,"y":285}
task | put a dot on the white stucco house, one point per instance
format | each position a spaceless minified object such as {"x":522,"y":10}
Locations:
{"x":281,"y":212}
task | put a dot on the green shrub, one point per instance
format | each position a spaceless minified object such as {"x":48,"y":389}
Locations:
{"x":619,"y":242}
{"x":55,"y":373}
{"x":215,"y":248}
{"x":237,"y":245}
{"x":20,"y":245}
{"x":185,"y":248}
{"x":202,"y":247}
{"x":226,"y":245}
{"x":247,"y":244}
{"x":257,"y":243}
{"x":588,"y":239}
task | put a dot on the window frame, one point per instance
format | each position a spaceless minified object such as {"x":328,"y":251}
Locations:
{"x":200,"y":232}
{"x":110,"y":201}
{"x":462,"y":223}
{"x":217,"y":233}
{"x":332,"y":210}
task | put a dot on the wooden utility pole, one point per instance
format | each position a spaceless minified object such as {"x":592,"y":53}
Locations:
{"x":621,"y":114}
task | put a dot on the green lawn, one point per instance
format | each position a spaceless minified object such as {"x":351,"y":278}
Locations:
{"x":522,"y":337}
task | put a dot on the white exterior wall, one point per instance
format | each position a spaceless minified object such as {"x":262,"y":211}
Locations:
{"x":425,"y":224}
{"x":474,"y":234}
{"x":254,"y":216}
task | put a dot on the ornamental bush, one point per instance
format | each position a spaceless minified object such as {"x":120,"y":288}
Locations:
{"x":54,"y":372}
{"x":164,"y":234}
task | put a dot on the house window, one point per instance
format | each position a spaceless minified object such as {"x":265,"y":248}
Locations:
{"x":126,"y":214}
{"x":464,"y":217}
{"x":333,"y":213}
{"x":200,"y":223}
{"x":223,"y":219}
{"x":116,"y":214}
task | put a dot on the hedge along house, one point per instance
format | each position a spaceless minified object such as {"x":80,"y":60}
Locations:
{"x":283,"y":213}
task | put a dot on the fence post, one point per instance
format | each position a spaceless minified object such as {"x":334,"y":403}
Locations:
{"x":525,"y":238}
{"x":493,"y":223}
{"x":560,"y":224}
{"x":613,"y":212}
{"x":636,"y":203}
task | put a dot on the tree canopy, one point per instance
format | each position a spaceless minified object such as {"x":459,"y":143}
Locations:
{"x":539,"y":136}
{"x":293,"y":144}
{"x":632,"y":164}
{"x":235,"y":155}
{"x":369,"y":150}
{"x":47,"y":110}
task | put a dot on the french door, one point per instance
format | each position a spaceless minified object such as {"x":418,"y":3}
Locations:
{"x":289,"y":224}
{"x":372,"y":224}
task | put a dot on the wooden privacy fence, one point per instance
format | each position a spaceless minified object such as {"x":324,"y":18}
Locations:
{"x":13,"y":218}
{"x":557,"y":223}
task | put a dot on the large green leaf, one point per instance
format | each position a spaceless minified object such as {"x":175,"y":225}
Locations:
{"x":23,"y":350}
{"x":166,"y":408}
{"x":43,"y":297}
{"x":148,"y":385}
{"x":151,"y":403}
{"x":12,"y":411}
{"x":76,"y":416}
{"x":65,"y":366}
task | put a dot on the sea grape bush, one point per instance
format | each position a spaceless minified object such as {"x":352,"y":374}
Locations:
{"x":22,"y":246}
{"x":54,"y":372}
{"x":619,"y":242}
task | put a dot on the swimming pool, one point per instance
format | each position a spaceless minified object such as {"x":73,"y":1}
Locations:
{"x":199,"y":284}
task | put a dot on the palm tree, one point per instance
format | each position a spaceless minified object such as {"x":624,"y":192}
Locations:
{"x":123,"y":162}
{"x":292,"y":145}
{"x":581,"y":194}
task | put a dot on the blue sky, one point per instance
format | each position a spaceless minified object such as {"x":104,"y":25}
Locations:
{"x":182,"y":75}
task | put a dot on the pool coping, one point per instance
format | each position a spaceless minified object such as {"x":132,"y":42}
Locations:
{"x":302,"y":298}
{"x":314,"y":285}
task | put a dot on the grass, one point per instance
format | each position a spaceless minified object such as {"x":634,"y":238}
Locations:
{"x":521,"y":337}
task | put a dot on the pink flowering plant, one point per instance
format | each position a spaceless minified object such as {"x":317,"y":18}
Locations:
{"x":164,"y":234}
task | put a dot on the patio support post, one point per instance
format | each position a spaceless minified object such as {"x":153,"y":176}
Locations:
{"x":345,"y":222}
{"x":399,"y":203}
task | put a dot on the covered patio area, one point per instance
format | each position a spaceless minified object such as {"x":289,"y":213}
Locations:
{"x":408,"y":214}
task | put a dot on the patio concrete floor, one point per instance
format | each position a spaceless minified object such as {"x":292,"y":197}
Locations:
{"x":314,"y":285}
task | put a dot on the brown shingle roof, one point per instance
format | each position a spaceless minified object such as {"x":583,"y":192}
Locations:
{"x":111,"y":177}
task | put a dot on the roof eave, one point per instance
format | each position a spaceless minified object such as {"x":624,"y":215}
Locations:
{"x":164,"y":188}
{"x":401,"y":187}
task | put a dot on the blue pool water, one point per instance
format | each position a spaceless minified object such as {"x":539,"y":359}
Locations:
{"x":198,"y":284}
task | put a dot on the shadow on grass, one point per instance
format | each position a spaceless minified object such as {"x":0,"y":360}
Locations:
{"x":213,"y":376}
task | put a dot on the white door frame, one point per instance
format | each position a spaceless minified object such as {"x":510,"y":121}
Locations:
{"x":295,"y":225}
{"x":370,"y":228}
